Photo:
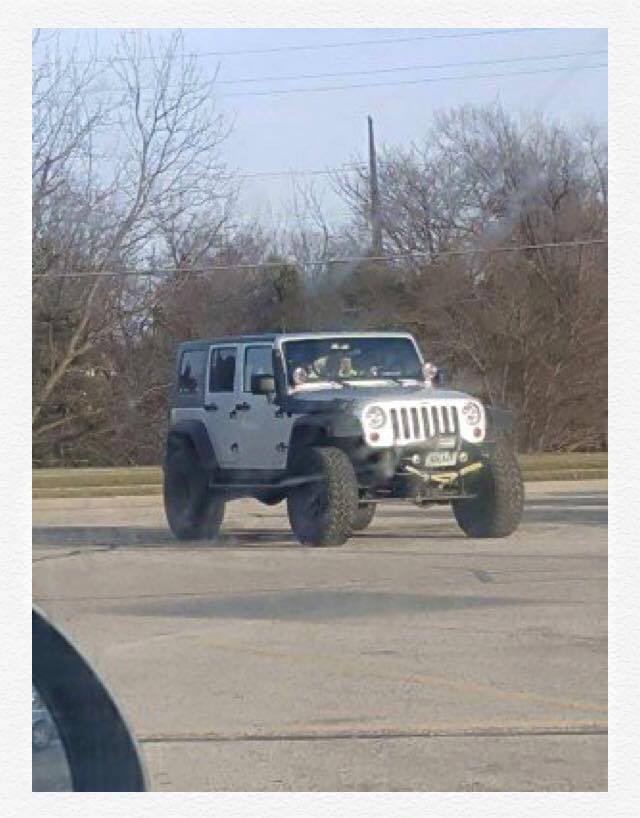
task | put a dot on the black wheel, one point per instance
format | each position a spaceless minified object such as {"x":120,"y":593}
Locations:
{"x":496,"y":511}
{"x":322,"y":511}
{"x":364,"y":515}
{"x":41,"y":734}
{"x":194,"y":512}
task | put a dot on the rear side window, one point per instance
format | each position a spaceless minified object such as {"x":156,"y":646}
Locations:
{"x":257,"y":361}
{"x":222,"y":371}
{"x":191,"y":372}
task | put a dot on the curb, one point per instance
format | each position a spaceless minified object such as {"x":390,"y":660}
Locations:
{"x":150,"y":489}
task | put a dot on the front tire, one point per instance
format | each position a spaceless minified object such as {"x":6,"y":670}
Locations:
{"x":496,"y":511}
{"x":364,"y":515}
{"x":193,"y":510}
{"x":322,"y":511}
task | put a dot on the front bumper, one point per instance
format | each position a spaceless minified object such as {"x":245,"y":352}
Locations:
{"x":402,"y":472}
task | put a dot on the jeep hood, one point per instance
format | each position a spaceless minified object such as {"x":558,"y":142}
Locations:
{"x":319,"y":400}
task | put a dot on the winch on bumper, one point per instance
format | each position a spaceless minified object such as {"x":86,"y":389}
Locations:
{"x":424,"y":473}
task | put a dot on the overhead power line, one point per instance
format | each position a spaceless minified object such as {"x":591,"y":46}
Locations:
{"x":319,"y":46}
{"x":421,"y":81}
{"x":418,"y":67}
{"x":366,"y":72}
{"x":414,"y":254}
{"x":314,"y":172}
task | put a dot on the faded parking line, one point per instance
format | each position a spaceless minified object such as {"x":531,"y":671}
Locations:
{"x":383,"y":731}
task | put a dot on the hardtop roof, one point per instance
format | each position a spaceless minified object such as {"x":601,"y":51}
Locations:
{"x":270,"y":337}
{"x":228,"y":339}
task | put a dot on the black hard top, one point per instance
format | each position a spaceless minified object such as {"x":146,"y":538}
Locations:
{"x":270,"y":337}
{"x":229,"y":339}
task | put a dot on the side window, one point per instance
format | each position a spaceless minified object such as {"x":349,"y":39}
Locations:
{"x":191,"y":371}
{"x":257,"y":361}
{"x":223,"y":369}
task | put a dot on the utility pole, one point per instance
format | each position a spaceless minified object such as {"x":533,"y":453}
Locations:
{"x":376,"y":220}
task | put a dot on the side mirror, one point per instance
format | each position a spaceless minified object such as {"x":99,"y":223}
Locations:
{"x":442,"y":377}
{"x":263,"y":384}
{"x":434,"y":375}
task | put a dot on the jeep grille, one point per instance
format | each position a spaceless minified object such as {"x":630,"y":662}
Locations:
{"x":423,"y":422}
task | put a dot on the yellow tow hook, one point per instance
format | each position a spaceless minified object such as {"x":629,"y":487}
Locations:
{"x":470,"y":469}
{"x":445,"y":478}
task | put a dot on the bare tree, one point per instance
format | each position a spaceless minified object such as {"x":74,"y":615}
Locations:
{"x":126,"y":159}
{"x":523,"y":328}
{"x":132,"y":178}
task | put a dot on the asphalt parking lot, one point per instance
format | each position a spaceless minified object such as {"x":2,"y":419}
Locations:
{"x":412,"y":658}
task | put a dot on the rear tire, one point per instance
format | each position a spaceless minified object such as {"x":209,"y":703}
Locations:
{"x":364,"y":515}
{"x":193,"y":510}
{"x":322,"y":512}
{"x":496,"y":511}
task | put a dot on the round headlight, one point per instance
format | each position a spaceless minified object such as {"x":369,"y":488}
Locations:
{"x":471,"y":412}
{"x":376,"y":417}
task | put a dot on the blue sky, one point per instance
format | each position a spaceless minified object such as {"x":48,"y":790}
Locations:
{"x":323,"y":129}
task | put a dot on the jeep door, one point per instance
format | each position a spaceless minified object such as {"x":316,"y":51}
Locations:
{"x":220,"y":413}
{"x":265,"y":430}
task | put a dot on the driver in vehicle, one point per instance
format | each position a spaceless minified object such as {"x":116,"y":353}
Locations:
{"x":356,"y":363}
{"x":326,"y":367}
{"x":332,"y":367}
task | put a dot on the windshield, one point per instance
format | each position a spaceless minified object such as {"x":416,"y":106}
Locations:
{"x":318,"y":360}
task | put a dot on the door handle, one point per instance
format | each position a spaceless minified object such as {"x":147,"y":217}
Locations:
{"x":239,"y":407}
{"x":211,"y":407}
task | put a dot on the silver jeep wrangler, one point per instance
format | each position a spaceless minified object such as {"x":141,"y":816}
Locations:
{"x":333,"y":423}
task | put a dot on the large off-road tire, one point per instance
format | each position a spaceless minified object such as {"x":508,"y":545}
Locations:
{"x":496,"y":511}
{"x":364,"y":515}
{"x":322,"y":511}
{"x":194,"y":512}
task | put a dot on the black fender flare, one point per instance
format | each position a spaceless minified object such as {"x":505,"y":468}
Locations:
{"x":329,"y":428}
{"x":196,"y":433}
{"x":501,"y":423}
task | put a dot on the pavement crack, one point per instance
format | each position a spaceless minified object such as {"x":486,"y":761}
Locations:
{"x":75,"y":553}
{"x":483,"y":576}
{"x":378,"y":733}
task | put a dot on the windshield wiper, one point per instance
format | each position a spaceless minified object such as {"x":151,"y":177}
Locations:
{"x":383,"y":378}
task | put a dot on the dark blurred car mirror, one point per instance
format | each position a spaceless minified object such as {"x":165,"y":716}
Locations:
{"x":100,"y":750}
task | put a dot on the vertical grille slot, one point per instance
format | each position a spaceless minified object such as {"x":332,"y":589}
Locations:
{"x":435,"y":421}
{"x":394,"y":424}
{"x":404,"y":415}
{"x":442,"y":414}
{"x":425,"y":422}
{"x":448,"y":425}
{"x":416,"y":423}
{"x":454,"y":420}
